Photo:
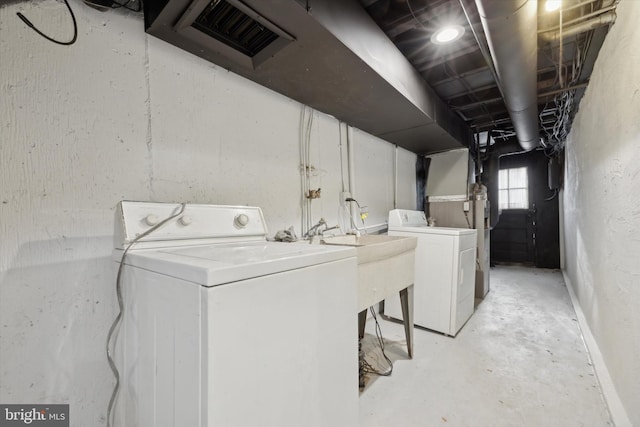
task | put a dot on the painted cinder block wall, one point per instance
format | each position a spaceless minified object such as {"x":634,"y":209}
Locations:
{"x":120,"y":115}
{"x":602,"y":206}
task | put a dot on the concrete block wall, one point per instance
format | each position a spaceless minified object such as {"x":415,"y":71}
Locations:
{"x":120,"y":115}
{"x":602,"y":208}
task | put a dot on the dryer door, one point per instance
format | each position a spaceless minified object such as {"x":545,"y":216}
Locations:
{"x":466,"y":289}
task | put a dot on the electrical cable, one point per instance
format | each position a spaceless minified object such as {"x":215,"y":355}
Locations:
{"x":343,"y":211}
{"x":366,"y":366}
{"x":563,"y":104}
{"x":353,"y":223}
{"x":364,"y":227}
{"x":351,"y":199}
{"x":466,"y":216}
{"x":116,"y":322}
{"x":75,"y":27}
{"x":117,"y":5}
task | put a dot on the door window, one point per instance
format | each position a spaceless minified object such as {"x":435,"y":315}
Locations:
{"x":514,"y":189}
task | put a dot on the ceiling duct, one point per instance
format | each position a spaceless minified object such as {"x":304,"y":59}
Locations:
{"x":328,"y":54}
{"x":511,"y":28}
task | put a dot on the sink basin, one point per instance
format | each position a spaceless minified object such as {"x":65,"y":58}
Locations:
{"x":374,"y":247}
{"x":385,"y":264}
{"x":385,"y":268}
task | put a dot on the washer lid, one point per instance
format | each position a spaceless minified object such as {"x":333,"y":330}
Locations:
{"x":216,"y":264}
{"x":434,"y":230}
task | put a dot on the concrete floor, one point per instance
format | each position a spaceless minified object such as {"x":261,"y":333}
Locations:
{"x":519,"y":361}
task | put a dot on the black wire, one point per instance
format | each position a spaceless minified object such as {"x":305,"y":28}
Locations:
{"x":367,"y":368}
{"x":351,"y":199}
{"x":116,"y":322}
{"x":117,"y":5}
{"x":75,"y":27}
{"x":466,"y":216}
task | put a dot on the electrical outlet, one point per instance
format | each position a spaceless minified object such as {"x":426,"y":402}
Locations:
{"x":344,"y":195}
{"x":465,"y":206}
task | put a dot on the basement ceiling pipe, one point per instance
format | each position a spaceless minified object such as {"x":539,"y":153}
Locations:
{"x":511,"y":28}
{"x":592,"y":24}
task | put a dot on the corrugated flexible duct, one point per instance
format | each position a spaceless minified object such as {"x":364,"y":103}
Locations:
{"x":511,"y":28}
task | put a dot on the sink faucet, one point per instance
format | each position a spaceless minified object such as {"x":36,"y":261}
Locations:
{"x":317,"y":231}
{"x":335,"y":227}
{"x":314,"y":230}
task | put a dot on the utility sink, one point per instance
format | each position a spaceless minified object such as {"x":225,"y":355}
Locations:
{"x":374,"y":247}
{"x":385,"y":267}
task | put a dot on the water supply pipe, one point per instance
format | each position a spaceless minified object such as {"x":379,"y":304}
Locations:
{"x":593,"y":23}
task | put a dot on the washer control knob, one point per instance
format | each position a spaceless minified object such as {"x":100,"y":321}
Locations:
{"x":241,"y":220}
{"x":186,"y":220}
{"x":151,"y":220}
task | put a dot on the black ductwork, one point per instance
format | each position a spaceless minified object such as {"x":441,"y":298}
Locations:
{"x":328,"y":54}
{"x":511,"y":27}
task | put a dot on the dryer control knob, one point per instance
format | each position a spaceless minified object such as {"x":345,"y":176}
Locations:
{"x":151,"y":220}
{"x":186,"y":220}
{"x":241,"y":220}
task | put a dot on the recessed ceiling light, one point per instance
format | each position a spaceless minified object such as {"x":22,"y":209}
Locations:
{"x":552,"y":5}
{"x":447,"y":34}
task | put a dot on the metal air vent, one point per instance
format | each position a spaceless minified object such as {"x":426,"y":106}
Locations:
{"x":245,"y":36}
{"x":233,"y":27}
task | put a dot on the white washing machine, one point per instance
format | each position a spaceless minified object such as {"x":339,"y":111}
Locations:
{"x":223,"y":328}
{"x":444,"y":285}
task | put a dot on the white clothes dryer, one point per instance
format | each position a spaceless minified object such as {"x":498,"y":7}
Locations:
{"x":221,"y":327}
{"x":445,"y":270}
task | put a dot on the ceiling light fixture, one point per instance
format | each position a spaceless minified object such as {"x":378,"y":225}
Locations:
{"x":552,"y":5}
{"x":447,"y":34}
